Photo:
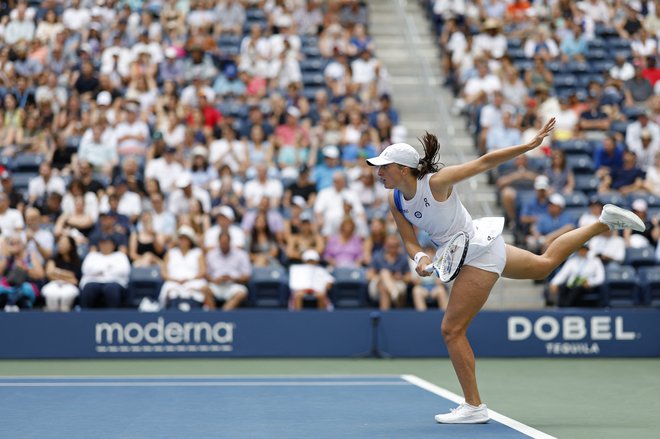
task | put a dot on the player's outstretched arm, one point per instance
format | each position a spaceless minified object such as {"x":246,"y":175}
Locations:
{"x":451,"y":175}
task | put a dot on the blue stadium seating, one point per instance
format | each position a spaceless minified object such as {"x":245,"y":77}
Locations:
{"x":586,"y":183}
{"x":580,"y":164}
{"x":144,"y":282}
{"x":576,"y":199}
{"x":350,"y":288}
{"x":651,"y":200}
{"x":21,"y":180}
{"x":26,"y":162}
{"x":649,"y":278}
{"x":268,"y":287}
{"x":575,"y":146}
{"x":640,"y":257}
{"x":613,"y":198}
{"x":621,"y":287}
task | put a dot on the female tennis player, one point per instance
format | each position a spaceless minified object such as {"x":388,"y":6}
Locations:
{"x":423,"y":196}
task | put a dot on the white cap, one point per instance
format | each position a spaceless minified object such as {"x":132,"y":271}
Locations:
{"x":400,"y":153}
{"x":199,"y":150}
{"x":184,"y":180}
{"x":541,"y":182}
{"x":331,"y":151}
{"x":188,"y":232}
{"x":311,"y":255}
{"x":170,"y":52}
{"x":225,"y":211}
{"x":293,"y":111}
{"x":640,"y":205}
{"x":104,"y":98}
{"x":299,"y":201}
{"x":557,"y":200}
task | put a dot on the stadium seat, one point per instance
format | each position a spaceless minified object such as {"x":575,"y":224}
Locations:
{"x":632,"y":113}
{"x":311,"y":51}
{"x":586,"y":183}
{"x":577,"y":67}
{"x":576,"y":199}
{"x":649,"y":279}
{"x":596,"y":43}
{"x":651,"y":200}
{"x":21,"y":180}
{"x":268,"y":287}
{"x":312,"y":65}
{"x":598,"y":66}
{"x":27,"y":162}
{"x":575,"y":212}
{"x":613,"y":198}
{"x":640,"y":257}
{"x":350,"y":288}
{"x":619,"y":126}
{"x":621,"y":287}
{"x":575,"y":146}
{"x":144,"y":282}
{"x":539,"y":164}
{"x":597,"y":55}
{"x":313,"y":79}
{"x":580,"y":164}
{"x":564,"y":80}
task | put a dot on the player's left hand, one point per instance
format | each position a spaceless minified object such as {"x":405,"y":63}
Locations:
{"x":543,"y":133}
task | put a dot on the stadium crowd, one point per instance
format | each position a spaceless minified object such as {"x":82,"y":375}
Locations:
{"x":184,"y":150}
{"x":592,"y":64}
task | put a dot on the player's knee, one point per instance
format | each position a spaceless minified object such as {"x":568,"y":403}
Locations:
{"x":451,"y":332}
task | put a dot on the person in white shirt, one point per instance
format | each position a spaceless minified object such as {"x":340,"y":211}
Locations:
{"x":132,"y":134}
{"x":38,"y":240}
{"x":163,"y":220}
{"x":76,"y":18}
{"x":609,"y":247}
{"x":184,"y":273}
{"x":165,"y":169}
{"x":98,"y":146}
{"x":20,"y":28}
{"x":261,"y":187}
{"x":364,"y":68}
{"x":44,"y":184}
{"x":179,"y":200}
{"x":224,"y":223}
{"x":328,"y":207}
{"x":643,"y":138}
{"x":580,"y":274}
{"x":490,"y":43}
{"x":130,"y":203}
{"x":622,"y":69}
{"x":228,"y":271}
{"x":11,"y":220}
{"x":310,"y":279}
{"x":104,"y":276}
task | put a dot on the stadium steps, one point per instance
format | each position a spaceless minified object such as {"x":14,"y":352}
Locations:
{"x":406,"y":46}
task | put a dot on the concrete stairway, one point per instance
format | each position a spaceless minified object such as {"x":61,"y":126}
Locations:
{"x":407,"y":47}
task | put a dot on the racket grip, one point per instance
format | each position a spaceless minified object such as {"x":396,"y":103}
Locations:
{"x":429,"y":269}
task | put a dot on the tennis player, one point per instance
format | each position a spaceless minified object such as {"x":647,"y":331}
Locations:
{"x":426,"y":198}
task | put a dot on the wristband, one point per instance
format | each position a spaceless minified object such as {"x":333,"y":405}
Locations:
{"x":418,"y":257}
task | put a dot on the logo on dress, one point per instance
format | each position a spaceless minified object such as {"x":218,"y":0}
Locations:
{"x":418,"y":214}
{"x":426,"y":202}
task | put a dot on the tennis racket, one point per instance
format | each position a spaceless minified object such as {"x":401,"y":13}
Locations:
{"x":449,"y":261}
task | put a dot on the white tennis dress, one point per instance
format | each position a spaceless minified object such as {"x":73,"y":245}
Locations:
{"x":443,"y":219}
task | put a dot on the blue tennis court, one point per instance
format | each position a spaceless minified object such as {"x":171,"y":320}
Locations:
{"x":237,"y":407}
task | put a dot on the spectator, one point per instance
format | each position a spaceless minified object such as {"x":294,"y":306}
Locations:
{"x":647,"y":238}
{"x":164,"y":222}
{"x":263,"y":187}
{"x":521,"y":176}
{"x":560,"y":176}
{"x":45,"y":183}
{"x":166,"y":169}
{"x":230,"y":17}
{"x":179,"y":200}
{"x":131,"y":134}
{"x":20,"y":270}
{"x":505,"y":134}
{"x":637,"y":89}
{"x":389,"y":274}
{"x":228,"y":271}
{"x":609,"y":247}
{"x":581,"y":274}
{"x":302,"y":238}
{"x":301,"y":187}
{"x":109,"y":225}
{"x":345,"y":248}
{"x":264,"y":248}
{"x":11,"y":220}
{"x":309,"y":280}
{"x":224,"y":223}
{"x":63,"y":273}
{"x":594,"y":121}
{"x":184,"y":273}
{"x":592,"y":215}
{"x":535,"y":207}
{"x":608,"y":157}
{"x":622,"y":70}
{"x":16,"y":200}
{"x":539,"y":76}
{"x":104,"y":275}
{"x":550,"y":225}
{"x":38,"y":240}
{"x":425,"y":288}
{"x":20,"y":28}
{"x":541,"y":45}
{"x":629,"y":178}
{"x":491,"y":43}
{"x":652,"y":180}
{"x":328,"y":216}
{"x":146,"y":247}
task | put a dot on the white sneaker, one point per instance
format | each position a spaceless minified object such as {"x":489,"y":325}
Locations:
{"x":617,"y":218}
{"x":465,"y":414}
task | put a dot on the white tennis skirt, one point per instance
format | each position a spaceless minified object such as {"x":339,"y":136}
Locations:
{"x":487,"y":249}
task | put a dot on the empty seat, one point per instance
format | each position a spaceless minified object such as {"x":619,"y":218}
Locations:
{"x":640,"y":257}
{"x":269,"y":287}
{"x":576,"y":199}
{"x":612,"y":198}
{"x":21,"y":180}
{"x":575,"y":146}
{"x":27,"y":162}
{"x":586,"y":183}
{"x":651,"y":200}
{"x":619,"y":126}
{"x":580,"y":164}
{"x":350,"y":288}
{"x":313,"y":79}
{"x":144,"y":282}
{"x":621,"y":287}
{"x":649,"y":280}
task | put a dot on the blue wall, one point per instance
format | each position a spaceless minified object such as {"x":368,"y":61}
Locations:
{"x":262,"y":333}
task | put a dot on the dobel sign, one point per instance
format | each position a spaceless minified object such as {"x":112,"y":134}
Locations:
{"x":568,"y":328}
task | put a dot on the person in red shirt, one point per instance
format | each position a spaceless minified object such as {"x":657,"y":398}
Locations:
{"x":651,"y":72}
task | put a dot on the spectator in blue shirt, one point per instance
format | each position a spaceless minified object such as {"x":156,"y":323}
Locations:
{"x":550,"y":225}
{"x":629,"y":178}
{"x":385,"y":107}
{"x":608,"y":156}
{"x":537,"y":206}
{"x":574,"y":46}
{"x":323,"y":172}
{"x":389,"y":274}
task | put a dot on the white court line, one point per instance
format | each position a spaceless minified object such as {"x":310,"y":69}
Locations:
{"x":204,"y":384}
{"x":196,"y":376}
{"x":512,"y":423}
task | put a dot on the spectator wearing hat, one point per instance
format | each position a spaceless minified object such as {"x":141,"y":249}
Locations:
{"x":45,"y":183}
{"x":110,"y":224}
{"x":199,"y":66}
{"x":592,"y":214}
{"x":179,"y":200}
{"x":491,"y":42}
{"x":228,"y":271}
{"x":629,"y":178}
{"x":582,"y":273}
{"x":550,"y":225}
{"x":229,"y":84}
{"x":649,"y":237}
{"x":132,"y":134}
{"x":105,"y":275}
{"x":171,"y":67}
{"x":166,"y":169}
{"x":323,"y":172}
{"x":225,"y":221}
{"x":184,"y":273}
{"x":309,"y":279}
{"x":532,"y":210}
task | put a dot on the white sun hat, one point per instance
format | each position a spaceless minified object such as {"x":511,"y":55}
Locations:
{"x":400,"y":153}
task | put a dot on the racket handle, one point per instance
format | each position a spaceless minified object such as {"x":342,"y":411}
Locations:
{"x":429,"y":269}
